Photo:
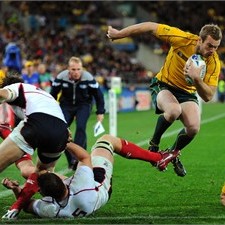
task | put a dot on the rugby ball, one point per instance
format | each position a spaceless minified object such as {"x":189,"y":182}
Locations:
{"x":198,"y":62}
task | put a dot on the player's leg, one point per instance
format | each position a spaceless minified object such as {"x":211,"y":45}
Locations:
{"x":191,"y":119}
{"x":102,"y":162}
{"x":9,"y":153}
{"x":168,"y":104}
{"x":131,"y":151}
{"x":25,"y":165}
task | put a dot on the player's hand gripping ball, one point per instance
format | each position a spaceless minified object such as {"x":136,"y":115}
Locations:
{"x":198,"y":61}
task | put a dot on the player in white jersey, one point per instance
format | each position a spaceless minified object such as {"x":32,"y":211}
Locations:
{"x":43,"y":128}
{"x":90,"y":187}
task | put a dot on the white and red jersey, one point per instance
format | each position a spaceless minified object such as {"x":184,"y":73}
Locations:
{"x":31,"y":99}
{"x":85,"y":196}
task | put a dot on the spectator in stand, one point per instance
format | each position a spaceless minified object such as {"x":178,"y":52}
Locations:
{"x":78,"y":90}
{"x":3,"y":71}
{"x":44,"y":77}
{"x":12,"y":57}
{"x":221,"y":90}
{"x":30,"y":76}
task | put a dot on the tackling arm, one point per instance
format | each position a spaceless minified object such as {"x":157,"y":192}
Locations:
{"x":82,"y":155}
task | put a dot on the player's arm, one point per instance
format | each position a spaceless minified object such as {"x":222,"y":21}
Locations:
{"x":6,"y":95}
{"x":206,"y":92}
{"x":100,"y":104}
{"x":81,"y":154}
{"x":56,"y":87}
{"x":132,"y":30}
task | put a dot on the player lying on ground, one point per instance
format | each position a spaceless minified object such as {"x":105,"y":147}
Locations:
{"x":90,"y":187}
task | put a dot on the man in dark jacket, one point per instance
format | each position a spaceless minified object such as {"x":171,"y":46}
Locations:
{"x":78,"y":88}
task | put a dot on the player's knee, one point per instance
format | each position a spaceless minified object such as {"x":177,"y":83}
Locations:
{"x":105,"y":137}
{"x":104,"y":143}
{"x":192,"y":131}
{"x":173,"y":114}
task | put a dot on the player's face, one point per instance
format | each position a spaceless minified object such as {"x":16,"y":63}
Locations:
{"x":75,"y":70}
{"x":208,"y":47}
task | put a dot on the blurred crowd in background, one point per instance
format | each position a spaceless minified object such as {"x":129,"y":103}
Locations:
{"x":48,"y":33}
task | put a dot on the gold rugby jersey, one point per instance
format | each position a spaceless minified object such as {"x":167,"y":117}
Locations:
{"x":182,"y":46}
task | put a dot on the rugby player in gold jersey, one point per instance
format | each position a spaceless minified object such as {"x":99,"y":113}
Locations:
{"x":173,"y":97}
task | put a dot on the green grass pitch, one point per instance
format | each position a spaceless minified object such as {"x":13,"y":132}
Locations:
{"x":142,"y":194}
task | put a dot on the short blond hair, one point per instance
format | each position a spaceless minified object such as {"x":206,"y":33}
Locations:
{"x":211,"y":30}
{"x":75,"y":59}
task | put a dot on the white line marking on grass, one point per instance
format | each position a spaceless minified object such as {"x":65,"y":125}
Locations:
{"x":65,"y":171}
{"x":128,"y":218}
{"x":155,"y":217}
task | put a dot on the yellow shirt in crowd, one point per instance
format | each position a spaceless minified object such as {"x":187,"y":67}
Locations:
{"x":2,"y":75}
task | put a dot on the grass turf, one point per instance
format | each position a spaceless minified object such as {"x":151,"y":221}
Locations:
{"x":143,"y":195}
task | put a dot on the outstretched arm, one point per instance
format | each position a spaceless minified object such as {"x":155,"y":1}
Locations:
{"x":135,"y":29}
